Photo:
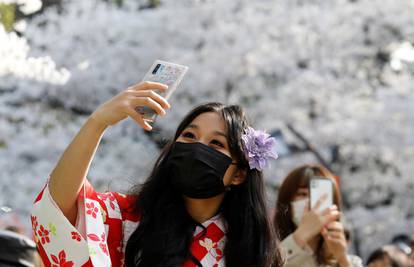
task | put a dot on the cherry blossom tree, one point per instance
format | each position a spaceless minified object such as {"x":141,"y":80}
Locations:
{"x":339,"y":71}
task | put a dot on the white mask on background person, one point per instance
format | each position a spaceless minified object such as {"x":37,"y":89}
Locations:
{"x":298,"y":208}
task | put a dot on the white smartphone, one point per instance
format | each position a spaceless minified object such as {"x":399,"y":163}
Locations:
{"x":167,"y":73}
{"x":321,"y":187}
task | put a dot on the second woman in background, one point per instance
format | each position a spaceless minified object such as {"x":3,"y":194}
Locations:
{"x":311,"y":237}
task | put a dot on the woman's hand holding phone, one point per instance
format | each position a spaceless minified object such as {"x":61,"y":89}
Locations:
{"x":69,"y":173}
{"x":313,"y":221}
{"x":123,"y":105}
{"x":334,"y":236}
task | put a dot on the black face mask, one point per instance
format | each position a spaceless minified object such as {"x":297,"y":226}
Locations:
{"x":197,"y":170}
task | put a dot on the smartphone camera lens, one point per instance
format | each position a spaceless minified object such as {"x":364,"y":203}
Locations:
{"x":156,"y":69}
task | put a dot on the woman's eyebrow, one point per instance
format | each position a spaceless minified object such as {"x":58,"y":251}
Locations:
{"x":194,"y":126}
{"x":220,"y":133}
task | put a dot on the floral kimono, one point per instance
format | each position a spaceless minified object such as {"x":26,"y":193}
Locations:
{"x":104,"y":223}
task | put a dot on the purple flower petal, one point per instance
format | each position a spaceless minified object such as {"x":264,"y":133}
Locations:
{"x":259,"y":147}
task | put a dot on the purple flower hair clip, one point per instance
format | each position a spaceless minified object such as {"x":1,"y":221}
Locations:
{"x":258,"y":148}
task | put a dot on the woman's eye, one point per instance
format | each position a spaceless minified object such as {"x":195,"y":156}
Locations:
{"x":217,"y":143}
{"x":188,"y":135}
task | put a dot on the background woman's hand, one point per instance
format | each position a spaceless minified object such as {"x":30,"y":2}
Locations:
{"x":335,"y":240}
{"x":313,"y":222}
{"x":123,"y":105}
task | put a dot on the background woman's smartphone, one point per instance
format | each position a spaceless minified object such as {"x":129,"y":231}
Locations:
{"x":167,"y":73}
{"x":321,"y":187}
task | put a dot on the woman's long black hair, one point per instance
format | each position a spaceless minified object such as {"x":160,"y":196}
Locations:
{"x":165,"y":232}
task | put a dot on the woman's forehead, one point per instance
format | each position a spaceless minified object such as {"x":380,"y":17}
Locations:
{"x":209,"y":122}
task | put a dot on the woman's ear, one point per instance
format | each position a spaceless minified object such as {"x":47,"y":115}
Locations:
{"x":239,"y":177}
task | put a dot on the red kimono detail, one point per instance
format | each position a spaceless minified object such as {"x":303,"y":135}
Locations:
{"x":104,"y":223}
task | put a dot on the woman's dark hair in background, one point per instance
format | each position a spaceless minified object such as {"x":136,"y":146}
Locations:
{"x":397,"y":254}
{"x":299,"y":178}
{"x":390,"y":255}
{"x":165,"y":232}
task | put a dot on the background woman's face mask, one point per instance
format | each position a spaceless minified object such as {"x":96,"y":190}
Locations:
{"x":197,"y":170}
{"x":298,"y":209}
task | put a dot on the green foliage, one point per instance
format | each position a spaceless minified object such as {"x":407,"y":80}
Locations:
{"x":154,"y":3}
{"x":7,"y":15}
{"x":3,"y":143}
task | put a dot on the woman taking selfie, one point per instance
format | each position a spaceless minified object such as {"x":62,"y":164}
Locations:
{"x":311,"y":237}
{"x":202,"y":205}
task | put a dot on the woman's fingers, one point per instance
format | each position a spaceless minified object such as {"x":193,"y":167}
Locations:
{"x":320,"y":201}
{"x":335,"y":226}
{"x":147,"y":85}
{"x":331,"y":217}
{"x":332,"y":235}
{"x":339,"y":241}
{"x":148,"y":93}
{"x":142,"y":95}
{"x":335,"y":235}
{"x":138,"y":119}
{"x":329,"y":210}
{"x":149,"y":102}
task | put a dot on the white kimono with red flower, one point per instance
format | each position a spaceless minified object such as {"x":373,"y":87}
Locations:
{"x":104,"y":223}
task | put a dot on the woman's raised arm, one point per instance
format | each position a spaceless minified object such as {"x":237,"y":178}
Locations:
{"x":68,"y":176}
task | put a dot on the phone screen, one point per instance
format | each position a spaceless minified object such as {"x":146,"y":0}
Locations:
{"x":167,"y":73}
{"x":321,"y":187}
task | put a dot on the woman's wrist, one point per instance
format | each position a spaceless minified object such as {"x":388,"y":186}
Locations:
{"x":96,"y":123}
{"x":344,"y":261}
{"x":299,"y":238}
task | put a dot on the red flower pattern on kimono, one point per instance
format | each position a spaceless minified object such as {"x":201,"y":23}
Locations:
{"x":34,"y":223}
{"x":61,"y":261}
{"x":76,"y":236}
{"x":212,"y":248}
{"x":43,"y":234}
{"x":102,"y":241}
{"x":108,"y":196}
{"x":91,"y":209}
{"x":61,"y":244}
